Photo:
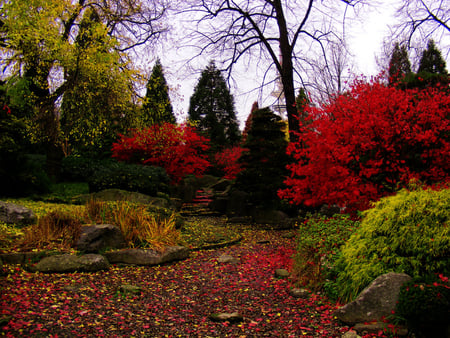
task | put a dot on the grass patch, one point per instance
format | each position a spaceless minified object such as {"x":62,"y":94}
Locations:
{"x":64,"y":192}
{"x":199,"y":232}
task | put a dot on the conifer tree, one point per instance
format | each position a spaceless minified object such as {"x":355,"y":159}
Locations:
{"x":157,"y":108}
{"x":248,"y":122}
{"x":211,"y":109}
{"x":264,"y":159}
{"x":432,"y":70}
{"x":432,"y":61}
{"x":399,"y":65}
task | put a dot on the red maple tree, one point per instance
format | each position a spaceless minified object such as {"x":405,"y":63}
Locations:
{"x":176,"y":148}
{"x":227,"y":161}
{"x":369,"y":142}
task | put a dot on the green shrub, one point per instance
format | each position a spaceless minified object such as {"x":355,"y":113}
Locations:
{"x":132,"y":177}
{"x":424,"y":303}
{"x":79,"y":169}
{"x":318,"y":245}
{"x":406,"y":233}
{"x":22,"y":175}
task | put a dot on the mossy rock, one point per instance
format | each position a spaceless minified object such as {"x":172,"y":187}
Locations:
{"x":122,"y":195}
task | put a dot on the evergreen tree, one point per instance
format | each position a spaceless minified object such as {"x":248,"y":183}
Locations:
{"x":399,"y":65}
{"x":157,"y":108}
{"x":248,"y":122}
{"x":432,"y":71}
{"x":264,"y":159}
{"x":301,"y":102}
{"x":211,"y":109}
{"x":432,"y":61}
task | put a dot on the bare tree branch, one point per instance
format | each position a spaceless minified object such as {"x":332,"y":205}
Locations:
{"x":277,"y":30}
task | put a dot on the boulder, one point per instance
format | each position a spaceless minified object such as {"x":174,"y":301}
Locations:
{"x":99,"y":237}
{"x":67,"y":263}
{"x":11,"y":213}
{"x":237,"y":205}
{"x":127,"y":289}
{"x":270,"y":216}
{"x":350,"y":334}
{"x":222,"y":185}
{"x":329,"y":210}
{"x":233,"y":317}
{"x":281,"y":273}
{"x":300,"y":293}
{"x":123,"y":195}
{"x":373,"y":328}
{"x":147,"y":256}
{"x":227,"y":259}
{"x":375,"y":302}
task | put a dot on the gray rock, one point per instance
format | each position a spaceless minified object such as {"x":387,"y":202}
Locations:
{"x":374,"y":328}
{"x":376,"y":301}
{"x":70,"y":263}
{"x":11,"y":213}
{"x":98,"y":237}
{"x":269,"y":216}
{"x":221,"y":185}
{"x":350,"y":334}
{"x":329,"y":210}
{"x":299,"y":293}
{"x":147,"y":256}
{"x":227,"y":259}
{"x":233,"y":317}
{"x":122,"y":195}
{"x":281,"y":273}
{"x":126,"y":288}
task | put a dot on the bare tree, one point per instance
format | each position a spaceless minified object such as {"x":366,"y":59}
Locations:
{"x":423,"y":19}
{"x":331,"y":75}
{"x":280,"y":31}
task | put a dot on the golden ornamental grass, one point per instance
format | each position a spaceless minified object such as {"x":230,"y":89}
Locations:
{"x":60,"y":229}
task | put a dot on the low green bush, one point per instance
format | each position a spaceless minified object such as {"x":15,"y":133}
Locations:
{"x":424,"y":303}
{"x":407,"y":232}
{"x":79,"y":169}
{"x":22,"y":175}
{"x":318,"y":245}
{"x":132,"y":177}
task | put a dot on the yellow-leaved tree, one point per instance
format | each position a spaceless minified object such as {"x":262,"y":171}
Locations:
{"x":74,"y":56}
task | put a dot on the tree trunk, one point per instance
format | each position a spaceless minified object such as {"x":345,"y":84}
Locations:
{"x":286,"y":68}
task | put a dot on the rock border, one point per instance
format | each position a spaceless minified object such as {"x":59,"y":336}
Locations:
{"x":152,"y":258}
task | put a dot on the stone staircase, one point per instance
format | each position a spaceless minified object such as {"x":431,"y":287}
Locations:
{"x":199,"y":205}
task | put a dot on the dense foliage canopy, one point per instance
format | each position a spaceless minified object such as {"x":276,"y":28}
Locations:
{"x":176,"y":148}
{"x":367,"y":143}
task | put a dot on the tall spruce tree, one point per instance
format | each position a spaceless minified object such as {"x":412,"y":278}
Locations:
{"x":399,"y":65}
{"x":432,"y":60}
{"x":264,"y":160}
{"x":157,"y":108}
{"x":211,"y":109}
{"x":432,"y":70}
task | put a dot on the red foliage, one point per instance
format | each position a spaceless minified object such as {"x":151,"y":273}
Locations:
{"x":227,"y":161}
{"x":7,"y":109}
{"x":176,"y":148}
{"x":368,"y":143}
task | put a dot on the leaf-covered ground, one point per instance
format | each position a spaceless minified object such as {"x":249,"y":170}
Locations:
{"x":175,"y":301}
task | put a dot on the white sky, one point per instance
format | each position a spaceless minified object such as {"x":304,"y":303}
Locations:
{"x":364,"y":37}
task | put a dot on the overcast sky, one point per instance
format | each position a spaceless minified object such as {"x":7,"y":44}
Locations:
{"x":364,"y":37}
